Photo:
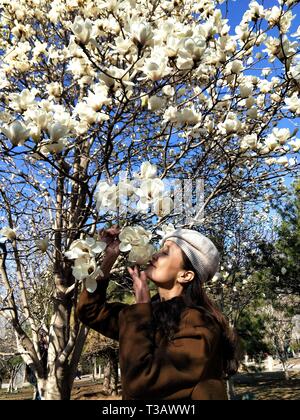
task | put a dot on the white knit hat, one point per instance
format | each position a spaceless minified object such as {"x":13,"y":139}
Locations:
{"x":200,"y":250}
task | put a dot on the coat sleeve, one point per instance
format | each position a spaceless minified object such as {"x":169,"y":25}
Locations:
{"x":158,"y":372}
{"x":93,"y":311}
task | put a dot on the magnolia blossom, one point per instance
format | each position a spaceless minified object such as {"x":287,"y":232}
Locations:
{"x":43,"y":244}
{"x":166,"y":229}
{"x":293,"y":103}
{"x":249,"y":142}
{"x":53,"y":147}
{"x":281,"y":134}
{"x":147,"y":171}
{"x":82,"y":29}
{"x":86,"y":269}
{"x":107,"y":196}
{"x":132,"y":236}
{"x":295,"y":144}
{"x":150,"y":190}
{"x":231,"y":124}
{"x":57,"y":131}
{"x":141,"y":254}
{"x":8,"y":233}
{"x":99,"y":98}
{"x":155,"y":103}
{"x":163,"y":206}
{"x":185,"y":116}
{"x":22,"y":101}
{"x":136,"y":240}
{"x":16,"y":132}
{"x":156,"y":66}
{"x":141,"y":33}
{"x":295,"y":72}
{"x":283,"y":160}
{"x":271,"y":142}
{"x":85,"y":248}
{"x":246,"y":90}
{"x":84,"y":251}
{"x":235,"y":67}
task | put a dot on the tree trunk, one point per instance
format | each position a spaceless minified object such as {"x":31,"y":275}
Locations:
{"x":285,"y":370}
{"x":114,"y":375}
{"x":230,"y":389}
{"x":106,"y":380}
{"x":57,"y":386}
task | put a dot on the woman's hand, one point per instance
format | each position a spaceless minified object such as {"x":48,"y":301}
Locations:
{"x":140,"y":286}
{"x":111,"y":237}
{"x":112,"y":251}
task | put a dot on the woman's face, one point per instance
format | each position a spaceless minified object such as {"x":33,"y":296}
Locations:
{"x":165,"y":265}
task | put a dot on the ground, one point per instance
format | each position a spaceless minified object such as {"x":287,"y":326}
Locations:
{"x":259,"y":386}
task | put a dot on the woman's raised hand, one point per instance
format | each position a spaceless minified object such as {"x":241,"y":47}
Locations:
{"x":140,"y":286}
{"x":111,"y":237}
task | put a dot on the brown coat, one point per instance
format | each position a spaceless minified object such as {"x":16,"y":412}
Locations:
{"x":152,"y":367}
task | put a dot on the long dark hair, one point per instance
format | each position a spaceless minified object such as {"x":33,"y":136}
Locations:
{"x":167,"y":314}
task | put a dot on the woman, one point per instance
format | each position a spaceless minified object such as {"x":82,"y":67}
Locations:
{"x":176,"y":345}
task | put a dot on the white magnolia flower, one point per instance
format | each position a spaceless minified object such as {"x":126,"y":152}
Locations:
{"x":231,"y":124}
{"x":8,"y":233}
{"x":155,"y":103}
{"x":141,"y":254}
{"x":283,"y":160}
{"x":271,"y":142}
{"x":99,"y":98}
{"x":87,"y":269}
{"x":295,"y":144}
{"x":107,"y":196}
{"x":235,"y":67}
{"x":54,"y":89}
{"x":273,"y":15}
{"x":85,"y":248}
{"x":82,"y":29}
{"x":43,"y":244}
{"x":22,"y":101}
{"x":57,"y":131}
{"x":170,"y":114}
{"x":283,"y":271}
{"x":297,"y":33}
{"x":252,"y":112}
{"x":40,"y":117}
{"x":293,"y":103}
{"x":249,"y":142}
{"x":256,"y":10}
{"x":188,"y":116}
{"x":141,"y":33}
{"x":163,"y":206}
{"x":281,"y":134}
{"x":266,"y":71}
{"x":53,"y":147}
{"x":147,"y":171}
{"x":134,"y":236}
{"x":16,"y":132}
{"x":270,"y":161}
{"x":295,"y":72}
{"x":91,"y":281}
{"x":168,"y":90}
{"x":149,"y":191}
{"x":166,"y":229}
{"x":156,"y":67}
{"x":246,"y":90}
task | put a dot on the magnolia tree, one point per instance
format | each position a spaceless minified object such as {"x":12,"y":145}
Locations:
{"x":106,"y":101}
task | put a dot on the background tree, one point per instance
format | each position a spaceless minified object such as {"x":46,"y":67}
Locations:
{"x":90,"y":89}
{"x":280,"y":259}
